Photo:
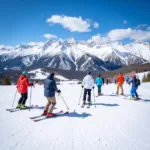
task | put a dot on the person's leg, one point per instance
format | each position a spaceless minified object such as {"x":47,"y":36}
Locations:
{"x":25,"y":97}
{"x":98,"y":89}
{"x":132,"y":92}
{"x":20,"y":100}
{"x":89,"y":96}
{"x":53,"y":103}
{"x":47,"y":105}
{"x":121,"y":86}
{"x":84,"y":96}
{"x":117,"y":89}
{"x":136,"y":94}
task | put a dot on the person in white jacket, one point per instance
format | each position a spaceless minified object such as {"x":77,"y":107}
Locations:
{"x":87,"y":84}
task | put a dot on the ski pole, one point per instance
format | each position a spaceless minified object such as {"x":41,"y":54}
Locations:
{"x":14,"y":98}
{"x":30,"y":98}
{"x":80,"y":96}
{"x":64,"y":102}
{"x":94,"y":98}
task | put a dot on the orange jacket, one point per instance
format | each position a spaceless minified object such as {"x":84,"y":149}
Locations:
{"x":120,"y":79}
{"x":23,"y":84}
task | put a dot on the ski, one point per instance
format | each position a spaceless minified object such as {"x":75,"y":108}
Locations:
{"x":88,"y":106}
{"x":82,"y":106}
{"x":12,"y":109}
{"x":57,"y":114}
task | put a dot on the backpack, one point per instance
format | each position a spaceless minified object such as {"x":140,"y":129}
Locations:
{"x":138,"y":82}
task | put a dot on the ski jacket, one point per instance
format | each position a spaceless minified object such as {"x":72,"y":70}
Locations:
{"x":88,"y":82}
{"x":120,"y":79}
{"x":50,"y":87}
{"x":23,"y":84}
{"x":133,"y":81}
{"x":99,"y":81}
{"x":127,"y":78}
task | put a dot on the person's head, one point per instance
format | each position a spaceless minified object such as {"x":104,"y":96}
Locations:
{"x":89,"y":73}
{"x":133,"y":76}
{"x":52,"y":75}
{"x":25,"y":73}
{"x":99,"y":75}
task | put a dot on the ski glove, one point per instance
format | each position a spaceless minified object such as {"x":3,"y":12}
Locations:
{"x":32,"y":84}
{"x":82,"y":86}
{"x":59,"y":91}
{"x":93,"y":87}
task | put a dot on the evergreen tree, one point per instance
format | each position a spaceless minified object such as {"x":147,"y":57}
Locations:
{"x":6,"y":81}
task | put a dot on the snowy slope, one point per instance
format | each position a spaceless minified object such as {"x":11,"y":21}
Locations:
{"x":115,"y":123}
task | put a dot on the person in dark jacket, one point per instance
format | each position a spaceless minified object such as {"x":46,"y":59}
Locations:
{"x":50,"y":88}
{"x":134,"y":94}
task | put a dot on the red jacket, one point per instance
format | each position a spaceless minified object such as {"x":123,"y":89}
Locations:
{"x":120,"y":79}
{"x":23,"y":84}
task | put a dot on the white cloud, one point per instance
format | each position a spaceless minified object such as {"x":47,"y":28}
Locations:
{"x":140,"y":26}
{"x":98,"y":39}
{"x":50,"y":36}
{"x":148,"y":28}
{"x":73,"y":24}
{"x":95,"y":25}
{"x":120,"y":34}
{"x":125,"y":21}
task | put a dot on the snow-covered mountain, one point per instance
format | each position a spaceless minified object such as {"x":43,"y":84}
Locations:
{"x":74,"y":55}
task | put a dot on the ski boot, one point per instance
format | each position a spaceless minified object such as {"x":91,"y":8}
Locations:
{"x":24,"y":107}
{"x":132,"y":98}
{"x":83,"y":104}
{"x":44,"y":113}
{"x":18,"y":106}
{"x":50,"y":115}
{"x":89,"y":103}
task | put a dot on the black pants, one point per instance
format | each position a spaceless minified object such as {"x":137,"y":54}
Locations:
{"x":23,"y":98}
{"x":87,"y":91}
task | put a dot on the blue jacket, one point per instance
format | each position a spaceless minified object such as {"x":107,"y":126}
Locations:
{"x":99,"y":81}
{"x":50,"y":87}
{"x":127,"y":78}
{"x":133,"y":81}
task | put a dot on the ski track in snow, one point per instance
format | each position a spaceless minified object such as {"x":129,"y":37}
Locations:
{"x":115,"y":123}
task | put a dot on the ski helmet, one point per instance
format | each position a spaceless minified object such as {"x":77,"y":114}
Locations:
{"x":25,"y":73}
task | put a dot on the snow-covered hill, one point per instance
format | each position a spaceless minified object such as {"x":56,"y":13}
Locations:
{"x":74,"y":55}
{"x":115,"y":123}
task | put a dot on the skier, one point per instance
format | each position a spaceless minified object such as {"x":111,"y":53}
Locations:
{"x":135,"y":83}
{"x":115,"y":81}
{"x":99,"y":83}
{"x":87,"y":84}
{"x":22,"y":86}
{"x":120,"y":81}
{"x":107,"y":81}
{"x":127,"y":79}
{"x":50,"y":88}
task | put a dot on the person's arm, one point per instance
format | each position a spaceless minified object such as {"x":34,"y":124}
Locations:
{"x":93,"y":83}
{"x":83,"y":82}
{"x":27,"y":83}
{"x":55,"y":86}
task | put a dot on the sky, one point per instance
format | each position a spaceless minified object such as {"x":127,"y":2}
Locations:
{"x":25,"y":21}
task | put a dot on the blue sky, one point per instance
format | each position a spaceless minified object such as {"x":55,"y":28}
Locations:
{"x":24,"y":21}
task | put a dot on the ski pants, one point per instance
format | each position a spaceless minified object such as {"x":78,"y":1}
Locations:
{"x":119,"y":86}
{"x":23,"y":98}
{"x":87,"y":91}
{"x":133,"y":92}
{"x":50,"y":104}
{"x":99,"y":88}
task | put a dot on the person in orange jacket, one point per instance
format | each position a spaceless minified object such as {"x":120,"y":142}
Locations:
{"x":22,"y":86}
{"x":120,"y":81}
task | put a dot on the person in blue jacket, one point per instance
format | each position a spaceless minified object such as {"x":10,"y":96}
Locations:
{"x":135,"y":83}
{"x":50,"y":88}
{"x":99,"y":83}
{"x":127,"y":79}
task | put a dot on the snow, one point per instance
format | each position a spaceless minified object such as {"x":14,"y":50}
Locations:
{"x":39,"y":74}
{"x":115,"y":123}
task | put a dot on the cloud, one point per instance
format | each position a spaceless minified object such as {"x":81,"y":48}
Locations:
{"x":95,"y":25}
{"x":73,"y":24}
{"x":140,"y":26}
{"x":50,"y":36}
{"x":35,"y":43}
{"x":125,"y":21}
{"x":121,"y":34}
{"x":98,"y":39}
{"x":148,"y":28}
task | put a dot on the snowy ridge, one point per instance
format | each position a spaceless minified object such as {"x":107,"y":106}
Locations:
{"x":74,"y":55}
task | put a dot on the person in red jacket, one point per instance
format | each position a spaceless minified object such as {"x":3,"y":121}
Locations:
{"x":22,"y":86}
{"x":120,"y":81}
